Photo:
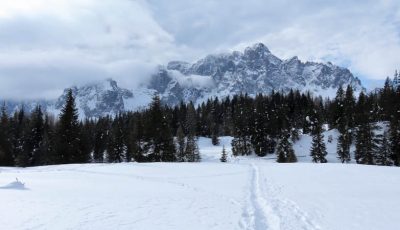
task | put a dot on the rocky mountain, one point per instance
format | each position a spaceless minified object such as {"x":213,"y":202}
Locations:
{"x":98,"y":99}
{"x":255,"y":70}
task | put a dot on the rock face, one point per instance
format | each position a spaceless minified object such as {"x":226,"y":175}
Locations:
{"x":255,"y":70}
{"x":98,"y":99}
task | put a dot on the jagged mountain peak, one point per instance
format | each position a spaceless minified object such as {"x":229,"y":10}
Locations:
{"x":98,"y":98}
{"x":257,"y":70}
{"x":258,"y":48}
{"x":254,"y":70}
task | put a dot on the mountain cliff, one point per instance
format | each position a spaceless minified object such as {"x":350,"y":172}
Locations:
{"x":255,"y":70}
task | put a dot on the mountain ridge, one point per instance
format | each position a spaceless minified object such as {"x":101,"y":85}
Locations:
{"x":253,"y":71}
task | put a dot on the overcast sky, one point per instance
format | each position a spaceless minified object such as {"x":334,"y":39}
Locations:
{"x":48,"y":45}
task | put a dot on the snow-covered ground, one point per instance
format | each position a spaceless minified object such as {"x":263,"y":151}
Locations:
{"x":247,"y":193}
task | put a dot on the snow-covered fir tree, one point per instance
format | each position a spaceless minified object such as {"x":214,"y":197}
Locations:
{"x":318,"y":149}
{"x":384,"y":153}
{"x":285,"y":150}
{"x":224,"y":155}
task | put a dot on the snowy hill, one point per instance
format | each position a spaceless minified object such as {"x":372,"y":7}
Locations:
{"x":256,"y":70}
{"x":243,"y":195}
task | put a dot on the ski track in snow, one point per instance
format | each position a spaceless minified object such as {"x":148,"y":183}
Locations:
{"x":266,"y":210}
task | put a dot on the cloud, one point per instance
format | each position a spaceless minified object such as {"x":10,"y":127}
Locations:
{"x":48,"y":45}
{"x":360,"y":35}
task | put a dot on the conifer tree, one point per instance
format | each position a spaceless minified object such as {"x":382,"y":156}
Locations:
{"x":366,"y":140}
{"x":260,"y":138}
{"x":35,"y":137}
{"x":224,"y":155}
{"x":383,"y":155}
{"x":162,"y":147}
{"x":394,"y":130}
{"x":180,"y":139}
{"x":85,"y":143}
{"x":47,"y":147}
{"x":19,"y":137}
{"x":67,"y":148}
{"x":318,"y":148}
{"x":285,"y":150}
{"x":137,"y":139}
{"x":366,"y":144}
{"x":101,"y":133}
{"x":6,"y":156}
{"x":192,"y":153}
{"x":116,"y":149}
{"x":215,"y":139}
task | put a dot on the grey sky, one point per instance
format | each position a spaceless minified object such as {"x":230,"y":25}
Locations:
{"x":48,"y":45}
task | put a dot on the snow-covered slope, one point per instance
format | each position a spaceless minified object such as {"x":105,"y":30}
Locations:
{"x":242,"y":195}
{"x":248,"y":193}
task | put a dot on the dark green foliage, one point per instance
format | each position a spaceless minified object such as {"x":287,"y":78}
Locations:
{"x":318,"y":148}
{"x":163,"y":133}
{"x":224,"y":155}
{"x":85,"y":143}
{"x":116,"y":149}
{"x":160,"y":140}
{"x":34,"y":138}
{"x":383,"y":155}
{"x":394,"y":130}
{"x":215,"y":139}
{"x":285,"y":150}
{"x":6,"y":156}
{"x":192,"y":153}
{"x":20,"y":139}
{"x":181,"y":142}
{"x":366,"y":144}
{"x":241,"y":146}
{"x":366,"y":140}
{"x":345,"y":122}
{"x":101,"y":135}
{"x":68,"y":133}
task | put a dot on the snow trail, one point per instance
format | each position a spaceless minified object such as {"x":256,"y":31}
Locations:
{"x":265,"y":209}
{"x":258,"y":214}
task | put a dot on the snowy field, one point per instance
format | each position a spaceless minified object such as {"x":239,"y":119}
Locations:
{"x":246,"y":193}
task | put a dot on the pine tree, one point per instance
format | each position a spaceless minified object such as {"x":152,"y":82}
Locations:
{"x":85,"y":143}
{"x":366,"y":140}
{"x":214,"y":139}
{"x":19,"y":138}
{"x":345,"y":123}
{"x":383,"y":155}
{"x":285,"y":150}
{"x":343,"y":147}
{"x":394,"y":130}
{"x":224,"y":156}
{"x":180,"y":139}
{"x":366,"y":144}
{"x":161,"y":143}
{"x":6,"y":156}
{"x":68,"y":132}
{"x":260,"y":138}
{"x":116,"y":149}
{"x":35,"y":137}
{"x":101,"y":133}
{"x":318,"y":149}
{"x":192,"y":153}
{"x":137,"y":139}
{"x":47,"y":148}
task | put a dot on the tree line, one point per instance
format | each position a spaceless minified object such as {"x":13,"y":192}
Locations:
{"x":261,"y":125}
